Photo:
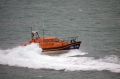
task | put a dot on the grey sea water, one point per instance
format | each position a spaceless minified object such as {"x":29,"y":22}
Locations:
{"x":96,"y":22}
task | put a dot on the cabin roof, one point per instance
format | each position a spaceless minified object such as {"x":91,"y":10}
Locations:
{"x":50,"y":37}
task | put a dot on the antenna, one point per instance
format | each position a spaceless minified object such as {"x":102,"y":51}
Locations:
{"x":43,"y":26}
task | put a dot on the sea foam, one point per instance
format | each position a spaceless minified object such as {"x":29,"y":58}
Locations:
{"x":30,"y":56}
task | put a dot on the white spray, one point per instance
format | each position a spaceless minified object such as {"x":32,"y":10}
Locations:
{"x":30,"y":56}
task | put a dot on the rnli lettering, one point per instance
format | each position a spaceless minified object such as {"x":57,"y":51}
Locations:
{"x":74,"y":47}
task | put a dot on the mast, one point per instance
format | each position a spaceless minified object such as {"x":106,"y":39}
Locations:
{"x":43,"y":33}
{"x":34,"y":33}
{"x":43,"y":27}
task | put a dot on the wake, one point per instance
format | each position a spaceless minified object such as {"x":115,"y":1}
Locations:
{"x":30,"y":56}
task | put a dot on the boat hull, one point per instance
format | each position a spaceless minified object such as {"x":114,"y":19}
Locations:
{"x":62,"y":49}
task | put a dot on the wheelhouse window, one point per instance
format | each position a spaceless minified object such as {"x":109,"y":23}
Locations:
{"x":56,"y":40}
{"x":45,"y":40}
{"x":51,"y":40}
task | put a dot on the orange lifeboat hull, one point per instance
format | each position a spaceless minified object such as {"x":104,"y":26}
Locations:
{"x":53,"y":44}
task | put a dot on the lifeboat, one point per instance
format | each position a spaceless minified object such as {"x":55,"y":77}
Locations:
{"x":52,"y":44}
